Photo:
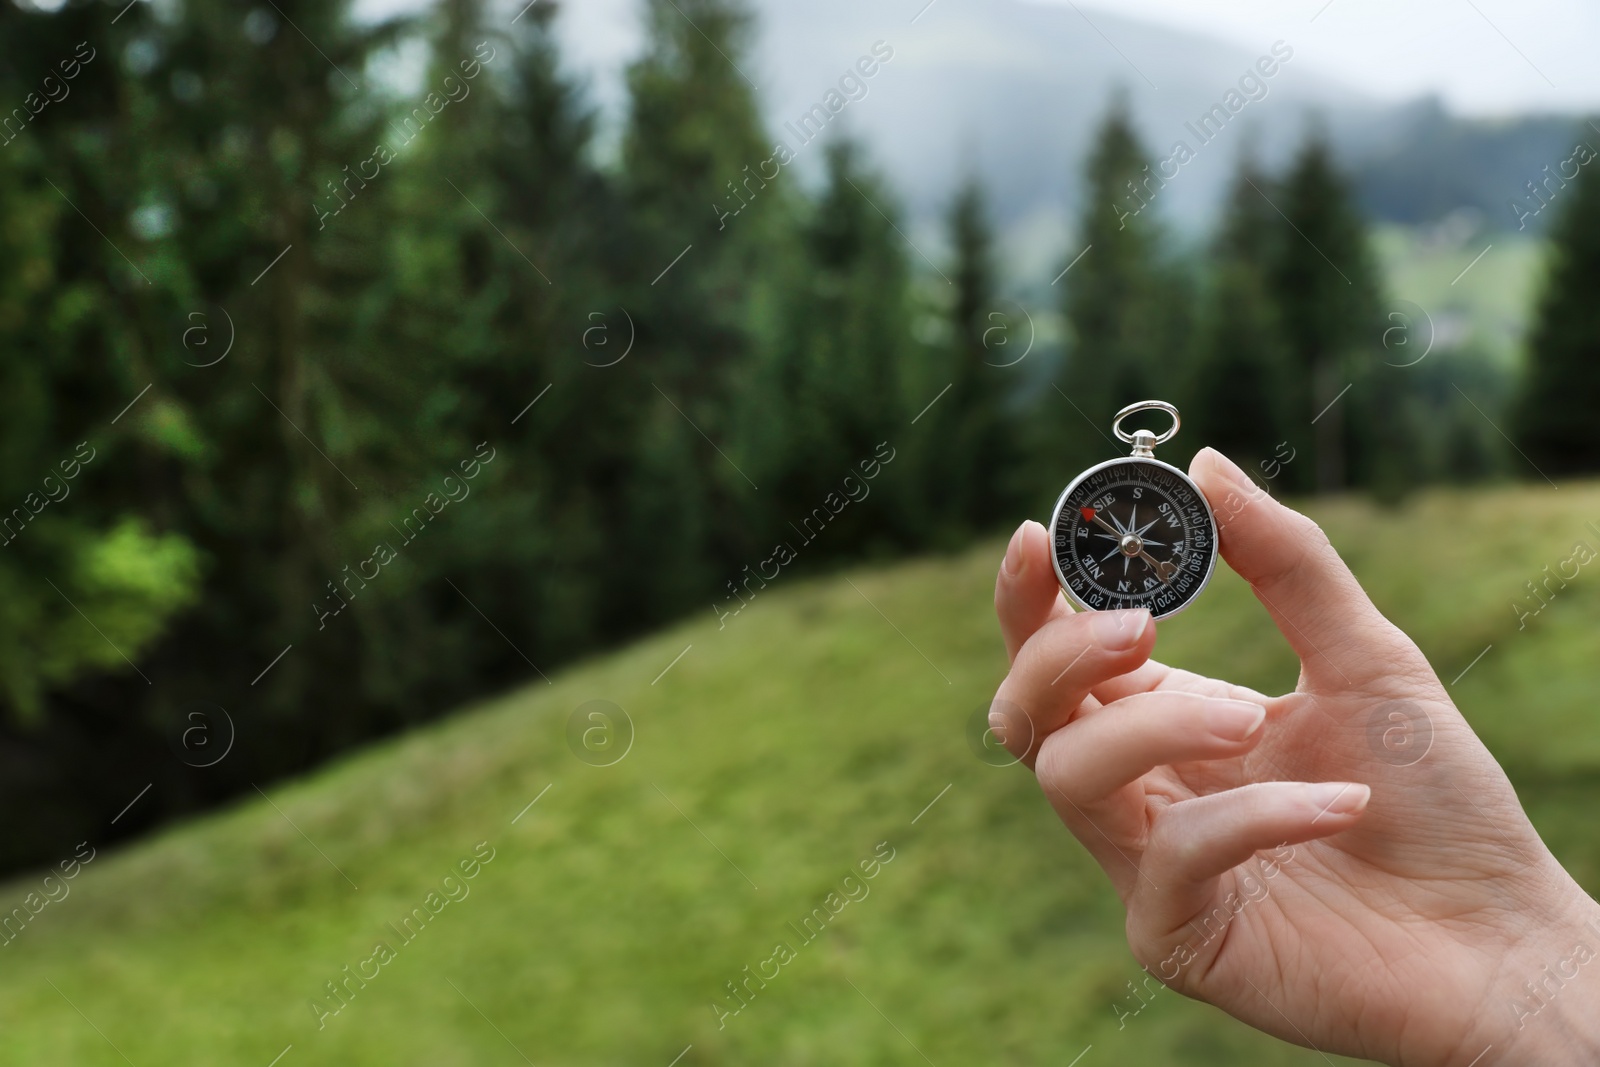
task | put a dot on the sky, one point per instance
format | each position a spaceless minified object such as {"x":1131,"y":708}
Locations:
{"x":1483,"y":57}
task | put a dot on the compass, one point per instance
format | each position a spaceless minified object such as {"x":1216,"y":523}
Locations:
{"x":1134,"y":532}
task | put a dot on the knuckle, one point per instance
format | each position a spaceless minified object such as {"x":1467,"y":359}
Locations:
{"x":1058,"y":654}
{"x":1186,"y":852}
{"x":1146,"y":951}
{"x":1011,"y":724}
{"x":1311,"y":536}
{"x":1254,"y":801}
{"x":1174,"y":847}
{"x":1302,"y":545}
{"x":1053,"y":767}
{"x":1312,"y":530}
{"x":1065,"y":627}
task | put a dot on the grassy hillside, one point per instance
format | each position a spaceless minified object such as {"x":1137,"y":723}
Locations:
{"x":1484,"y":301}
{"x":770,"y":759}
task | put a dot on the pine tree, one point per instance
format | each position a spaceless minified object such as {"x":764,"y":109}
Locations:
{"x":396,"y":276}
{"x":1324,"y":284}
{"x":974,"y":439}
{"x":1234,"y":401}
{"x":704,"y":201}
{"x":312,"y":424}
{"x":1456,"y":389}
{"x":508,"y":227}
{"x":833,"y":389}
{"x":71,"y":545}
{"x":1125,"y":304}
{"x":1553,"y":418}
{"x":694,"y":154}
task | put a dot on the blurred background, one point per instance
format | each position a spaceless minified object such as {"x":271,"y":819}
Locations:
{"x":583,"y":435}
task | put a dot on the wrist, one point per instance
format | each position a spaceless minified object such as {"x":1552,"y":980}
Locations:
{"x":1544,"y":1001}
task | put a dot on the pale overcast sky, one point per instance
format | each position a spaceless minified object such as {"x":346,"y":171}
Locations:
{"x":1484,"y":57}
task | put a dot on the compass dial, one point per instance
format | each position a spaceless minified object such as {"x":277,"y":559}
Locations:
{"x":1133,"y":533}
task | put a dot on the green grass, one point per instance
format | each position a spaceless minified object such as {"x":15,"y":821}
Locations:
{"x":1489,"y":305}
{"x":796,"y":739}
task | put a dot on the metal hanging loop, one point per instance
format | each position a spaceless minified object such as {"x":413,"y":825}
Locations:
{"x":1144,"y":441}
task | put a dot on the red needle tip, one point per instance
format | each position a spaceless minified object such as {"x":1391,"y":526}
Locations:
{"x":1088,"y":514}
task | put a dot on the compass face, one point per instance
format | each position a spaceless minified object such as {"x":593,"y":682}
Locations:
{"x":1133,"y":533}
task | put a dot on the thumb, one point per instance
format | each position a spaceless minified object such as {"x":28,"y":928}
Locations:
{"x":1341,"y":638}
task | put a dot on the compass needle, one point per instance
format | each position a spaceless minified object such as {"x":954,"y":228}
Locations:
{"x":1164,"y":571}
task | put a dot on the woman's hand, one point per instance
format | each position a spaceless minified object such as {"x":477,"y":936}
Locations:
{"x":1415,"y":899}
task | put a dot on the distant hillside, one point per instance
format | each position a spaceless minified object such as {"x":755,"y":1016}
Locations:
{"x":583,"y":915}
{"x":1012,"y":90}
{"x":1426,"y":164}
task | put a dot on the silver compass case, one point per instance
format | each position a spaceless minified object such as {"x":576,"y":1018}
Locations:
{"x":1134,"y":532}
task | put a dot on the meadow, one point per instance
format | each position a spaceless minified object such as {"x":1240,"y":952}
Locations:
{"x":736,"y":775}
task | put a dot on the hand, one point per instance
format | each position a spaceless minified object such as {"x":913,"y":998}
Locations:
{"x":1414,"y":899}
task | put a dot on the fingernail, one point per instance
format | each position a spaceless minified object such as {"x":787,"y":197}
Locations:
{"x":1013,"y":561}
{"x":1117,"y":631}
{"x":1234,"y":720}
{"x":1339,"y":798}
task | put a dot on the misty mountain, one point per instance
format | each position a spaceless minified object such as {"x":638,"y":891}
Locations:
{"x":1012,"y":90}
{"x":1426,"y":164}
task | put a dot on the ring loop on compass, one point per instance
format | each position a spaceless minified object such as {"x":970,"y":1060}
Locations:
{"x":1145,"y":405}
